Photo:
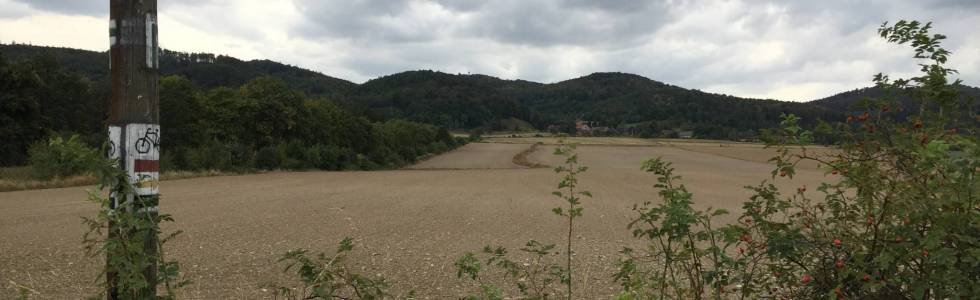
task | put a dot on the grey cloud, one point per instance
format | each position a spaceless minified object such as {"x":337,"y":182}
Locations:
{"x":359,"y":20}
{"x":612,"y":5}
{"x":71,"y":7}
{"x":462,"y":5}
{"x":524,"y":22}
{"x":13,"y":10}
{"x":551,"y":22}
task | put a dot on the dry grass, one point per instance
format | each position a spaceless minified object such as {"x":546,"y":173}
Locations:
{"x":618,"y":141}
{"x":7,"y":185}
{"x":22,"y":183}
{"x":16,"y":173}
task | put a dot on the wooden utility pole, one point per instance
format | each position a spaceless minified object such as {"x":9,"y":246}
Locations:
{"x":134,"y":126}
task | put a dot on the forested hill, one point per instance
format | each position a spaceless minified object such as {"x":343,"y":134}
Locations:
{"x":649,"y":107}
{"x":624,"y":103}
{"x":851,"y":101}
{"x":205,"y":70}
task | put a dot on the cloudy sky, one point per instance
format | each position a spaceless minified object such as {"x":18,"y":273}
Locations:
{"x":787,"y":50}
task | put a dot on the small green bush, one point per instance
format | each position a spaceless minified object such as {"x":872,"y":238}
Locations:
{"x":437,"y":148}
{"x":211,"y":156}
{"x":59,"y":157}
{"x":269,"y":158}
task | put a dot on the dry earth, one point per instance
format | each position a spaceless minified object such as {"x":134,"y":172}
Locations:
{"x":408,"y":225}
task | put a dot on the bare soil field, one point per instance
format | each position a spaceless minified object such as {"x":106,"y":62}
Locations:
{"x":619,"y":141}
{"x":475,"y":156}
{"x":408,"y":225}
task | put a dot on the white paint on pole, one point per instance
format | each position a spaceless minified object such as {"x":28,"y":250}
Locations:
{"x":113,"y":33}
{"x":115,"y":135}
{"x":143,"y":157}
{"x":151,"y":42}
{"x":115,"y":139}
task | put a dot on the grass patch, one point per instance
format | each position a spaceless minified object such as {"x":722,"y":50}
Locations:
{"x":10,"y":183}
{"x":17,"y":173}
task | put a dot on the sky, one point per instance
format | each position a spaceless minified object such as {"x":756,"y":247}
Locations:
{"x":788,"y":50}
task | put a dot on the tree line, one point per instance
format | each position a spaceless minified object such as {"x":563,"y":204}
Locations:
{"x":624,"y":103}
{"x":262,"y":124}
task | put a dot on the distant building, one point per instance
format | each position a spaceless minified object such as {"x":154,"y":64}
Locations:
{"x":583,"y":128}
{"x":685,"y":134}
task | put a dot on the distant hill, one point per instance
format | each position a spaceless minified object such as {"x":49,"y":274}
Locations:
{"x":452,"y":101}
{"x":619,"y":99}
{"x":205,"y":70}
{"x":851,"y":101}
{"x":625,"y":103}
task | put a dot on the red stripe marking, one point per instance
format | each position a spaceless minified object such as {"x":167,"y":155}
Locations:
{"x":142,"y":165}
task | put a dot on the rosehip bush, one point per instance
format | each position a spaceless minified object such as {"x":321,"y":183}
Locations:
{"x":899,"y":218}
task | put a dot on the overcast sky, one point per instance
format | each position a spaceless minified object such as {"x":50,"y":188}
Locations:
{"x":787,"y":50}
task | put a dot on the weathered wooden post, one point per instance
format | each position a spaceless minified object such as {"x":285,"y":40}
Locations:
{"x":134,"y":114}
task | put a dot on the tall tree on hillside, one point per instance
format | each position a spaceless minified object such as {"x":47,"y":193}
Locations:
{"x":67,"y":100}
{"x":181,"y":113}
{"x":20,"y":113}
{"x":274,"y":110}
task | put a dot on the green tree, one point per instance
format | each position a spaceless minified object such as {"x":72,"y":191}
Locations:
{"x":20,"y":113}
{"x":272,"y":111}
{"x":181,"y":115}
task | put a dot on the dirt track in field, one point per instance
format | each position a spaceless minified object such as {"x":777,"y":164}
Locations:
{"x":408,"y":225}
{"x":475,"y":156}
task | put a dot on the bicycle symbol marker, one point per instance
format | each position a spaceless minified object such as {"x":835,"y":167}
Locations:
{"x":143,"y":157}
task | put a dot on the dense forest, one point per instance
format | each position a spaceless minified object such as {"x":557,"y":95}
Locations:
{"x":851,"y":101}
{"x":262,"y":123}
{"x":58,"y":90}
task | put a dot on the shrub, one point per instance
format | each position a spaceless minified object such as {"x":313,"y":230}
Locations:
{"x":298,"y":156}
{"x":437,"y":148}
{"x":211,"y":156}
{"x":898,"y":221}
{"x":130,"y":240}
{"x":327,"y":277}
{"x":902,"y":220}
{"x":168,"y":162}
{"x":691,"y":254}
{"x":270,"y":158}
{"x":59,"y":157}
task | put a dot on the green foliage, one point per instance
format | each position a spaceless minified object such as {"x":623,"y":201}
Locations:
{"x":327,"y":277}
{"x":59,"y":157}
{"x":182,"y":114}
{"x":40,"y":97}
{"x":902,"y":221}
{"x":534,"y":278}
{"x":569,"y":192}
{"x":626,"y":103}
{"x":899,"y":220}
{"x":20,"y":114}
{"x":687,"y":258}
{"x":210,"y":156}
{"x":124,"y":231}
{"x":215,"y":127}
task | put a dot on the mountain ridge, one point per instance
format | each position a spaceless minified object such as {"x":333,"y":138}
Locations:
{"x":622,"y":101}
